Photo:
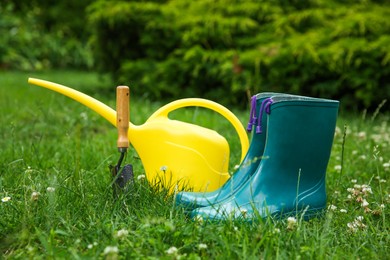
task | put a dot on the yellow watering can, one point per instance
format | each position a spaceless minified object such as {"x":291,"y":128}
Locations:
{"x":173,"y":152}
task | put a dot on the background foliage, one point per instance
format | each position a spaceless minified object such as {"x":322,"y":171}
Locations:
{"x":44,"y":34}
{"x":224,"y":50}
{"x":228,"y":48}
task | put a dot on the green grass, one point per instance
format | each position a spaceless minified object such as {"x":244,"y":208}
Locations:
{"x":48,"y":140}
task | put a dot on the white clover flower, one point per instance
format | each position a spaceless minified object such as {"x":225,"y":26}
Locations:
{"x":51,"y":189}
{"x":141,"y":177}
{"x":243,"y":212}
{"x":235,"y":228}
{"x":90,"y":246}
{"x":354,"y":181}
{"x":363,"y":157}
{"x":84,"y":116}
{"x":6,"y":199}
{"x":382,"y":181}
{"x":291,"y":222}
{"x":352,"y":227}
{"x":362,"y":135}
{"x":202,"y":246}
{"x":332,"y":207}
{"x":365,"y":203}
{"x":337,"y":167}
{"x":386,"y":165}
{"x":366,"y":189}
{"x":198,"y":219}
{"x":357,"y":223}
{"x":122,"y":233}
{"x":163,"y":168}
{"x":111,"y":250}
{"x":382,"y":206}
{"x":28,"y":170}
{"x":357,"y":186}
{"x":343,"y":211}
{"x":172,"y":251}
{"x":35,"y":195}
{"x":276,"y":230}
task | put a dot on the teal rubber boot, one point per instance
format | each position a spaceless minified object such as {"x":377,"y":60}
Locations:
{"x":192,"y":200}
{"x":290,"y":178}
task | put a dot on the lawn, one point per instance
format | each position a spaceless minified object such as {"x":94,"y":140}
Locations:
{"x":57,"y":200}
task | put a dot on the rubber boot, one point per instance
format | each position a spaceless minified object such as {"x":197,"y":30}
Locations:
{"x":192,"y":200}
{"x":290,"y":178}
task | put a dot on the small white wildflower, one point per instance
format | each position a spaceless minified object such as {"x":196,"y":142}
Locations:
{"x":6,"y":199}
{"x":122,"y":233}
{"x":243,"y":212}
{"x":351,"y":190}
{"x":35,"y":195}
{"x":354,"y":152}
{"x":202,"y":246}
{"x":198,"y":219}
{"x":235,"y":228}
{"x":95,"y":243}
{"x":363,"y":157}
{"x":343,"y":211}
{"x":51,"y":189}
{"x":354,"y":181}
{"x":28,"y":170}
{"x":366,"y":189}
{"x":276,"y":230}
{"x":84,"y":116}
{"x":382,"y":206}
{"x":352,"y":227}
{"x":291,"y":222}
{"x":111,"y":250}
{"x":357,"y":223}
{"x":367,"y":210}
{"x":172,"y":251}
{"x":163,"y":168}
{"x":365,"y":203}
{"x":90,"y":246}
{"x":349,"y":197}
{"x":386,"y":165}
{"x":362,"y":135}
{"x":332,"y":207}
{"x":382,"y":181}
{"x":357,"y":186}
{"x":337,"y":167}
{"x":141,"y":177}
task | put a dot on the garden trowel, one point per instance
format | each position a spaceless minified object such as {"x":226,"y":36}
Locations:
{"x":121,"y":177}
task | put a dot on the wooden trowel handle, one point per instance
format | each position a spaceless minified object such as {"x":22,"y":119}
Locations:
{"x":122,"y":116}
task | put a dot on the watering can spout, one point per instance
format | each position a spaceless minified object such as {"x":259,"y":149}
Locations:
{"x":102,"y":109}
{"x":172,"y":151}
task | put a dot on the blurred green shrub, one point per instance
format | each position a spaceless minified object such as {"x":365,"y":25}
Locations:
{"x":40,"y":34}
{"x":228,"y":49}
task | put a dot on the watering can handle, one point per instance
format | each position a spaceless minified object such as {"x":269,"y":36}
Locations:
{"x":199,"y":102}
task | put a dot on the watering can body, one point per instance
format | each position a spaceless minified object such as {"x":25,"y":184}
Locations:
{"x":173,"y":152}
